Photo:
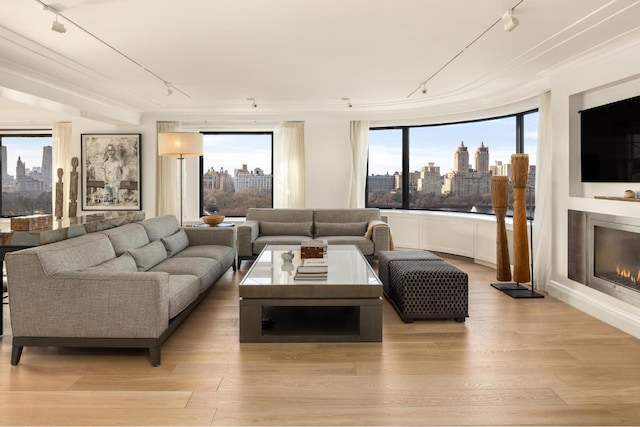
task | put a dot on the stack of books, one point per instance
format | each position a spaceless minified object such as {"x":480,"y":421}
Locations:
{"x":311,"y":272}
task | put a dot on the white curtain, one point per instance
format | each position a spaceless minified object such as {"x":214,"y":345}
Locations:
{"x":359,"y":153}
{"x":167,"y":176}
{"x":61,"y":153}
{"x":291,"y":164}
{"x":542,"y":224}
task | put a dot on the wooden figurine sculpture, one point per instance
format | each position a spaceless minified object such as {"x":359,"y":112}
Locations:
{"x":59,"y":194}
{"x":520,"y":173}
{"x":500,"y":202}
{"x":73,"y":190}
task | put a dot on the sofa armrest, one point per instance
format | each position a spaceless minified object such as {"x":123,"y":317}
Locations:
{"x":224,"y":236}
{"x":247,"y":233}
{"x":380,"y":234}
{"x":88,"y":304}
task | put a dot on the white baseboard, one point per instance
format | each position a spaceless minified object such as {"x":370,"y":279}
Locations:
{"x":601,"y":306}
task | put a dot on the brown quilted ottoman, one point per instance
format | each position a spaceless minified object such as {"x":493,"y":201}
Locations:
{"x":428,"y":289}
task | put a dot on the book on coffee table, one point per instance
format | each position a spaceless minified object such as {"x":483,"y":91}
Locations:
{"x":311,"y":272}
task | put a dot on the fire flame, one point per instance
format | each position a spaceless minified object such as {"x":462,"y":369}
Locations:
{"x":626,"y":273}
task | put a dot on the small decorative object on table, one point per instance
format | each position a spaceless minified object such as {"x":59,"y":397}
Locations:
{"x":629,"y":194}
{"x":287,"y":256}
{"x":213,"y":219}
{"x":313,"y":249}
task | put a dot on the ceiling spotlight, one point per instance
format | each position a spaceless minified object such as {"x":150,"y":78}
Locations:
{"x":424,"y":88}
{"x":58,"y":27}
{"x":510,"y":22}
{"x":349,"y":104}
{"x":169,"y":89}
{"x":253,"y":102}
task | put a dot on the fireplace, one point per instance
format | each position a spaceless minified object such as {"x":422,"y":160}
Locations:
{"x":604,"y":254}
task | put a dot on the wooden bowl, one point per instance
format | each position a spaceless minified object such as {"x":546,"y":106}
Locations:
{"x":213,"y":219}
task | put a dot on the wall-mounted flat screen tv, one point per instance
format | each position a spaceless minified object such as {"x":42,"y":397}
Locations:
{"x":610,"y":142}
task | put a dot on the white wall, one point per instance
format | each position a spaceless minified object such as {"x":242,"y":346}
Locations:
{"x":587,"y":84}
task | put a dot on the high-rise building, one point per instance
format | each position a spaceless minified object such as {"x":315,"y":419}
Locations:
{"x":255,"y":179}
{"x":482,"y":158}
{"x":47,"y":173}
{"x":381,"y":183}
{"x":4,"y":163}
{"x":430,"y":180}
{"x":461,"y":159}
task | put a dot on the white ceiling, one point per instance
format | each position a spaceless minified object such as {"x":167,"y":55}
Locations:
{"x":291,"y":56}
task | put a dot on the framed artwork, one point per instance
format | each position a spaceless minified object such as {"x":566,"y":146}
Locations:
{"x":110,"y":172}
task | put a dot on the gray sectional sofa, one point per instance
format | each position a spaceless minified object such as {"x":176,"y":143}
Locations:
{"x":128,"y":286}
{"x":361,"y":227}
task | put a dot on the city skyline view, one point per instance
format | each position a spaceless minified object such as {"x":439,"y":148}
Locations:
{"x":29,"y":149}
{"x":438,"y":143}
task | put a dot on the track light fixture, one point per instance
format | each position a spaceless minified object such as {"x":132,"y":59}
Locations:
{"x":424,"y":88}
{"x":510,"y":22}
{"x":58,"y":27}
{"x":253,"y":102}
{"x":169,"y":88}
{"x":348,"y":101}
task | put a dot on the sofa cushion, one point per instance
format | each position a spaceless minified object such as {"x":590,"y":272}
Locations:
{"x":346,"y":215}
{"x":279,"y":215}
{"x":176,"y":242}
{"x":340,"y":228}
{"x":206,"y":269}
{"x":262,"y":241}
{"x":365,"y":245}
{"x":161,"y":226}
{"x":122,"y":264}
{"x":128,"y":236}
{"x":224,"y":254}
{"x":149,"y":255}
{"x":269,"y":228}
{"x":183,"y":290}
{"x":78,"y":253}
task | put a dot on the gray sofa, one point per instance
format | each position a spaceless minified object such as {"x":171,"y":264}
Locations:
{"x":128,"y":286}
{"x":361,"y":227}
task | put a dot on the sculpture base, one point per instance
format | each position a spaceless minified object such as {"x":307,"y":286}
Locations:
{"x":504,"y":286}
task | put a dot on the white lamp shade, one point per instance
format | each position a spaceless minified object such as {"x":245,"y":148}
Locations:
{"x":180,"y":144}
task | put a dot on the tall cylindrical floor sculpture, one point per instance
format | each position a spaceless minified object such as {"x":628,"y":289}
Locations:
{"x":500,"y":202}
{"x":520,"y":173}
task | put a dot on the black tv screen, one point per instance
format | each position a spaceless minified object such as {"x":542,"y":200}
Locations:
{"x":610,"y":142}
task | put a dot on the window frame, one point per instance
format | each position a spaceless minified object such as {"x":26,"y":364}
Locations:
{"x":406,"y":198}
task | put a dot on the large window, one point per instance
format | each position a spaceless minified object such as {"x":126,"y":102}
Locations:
{"x":26,"y":174}
{"x":236,"y":172}
{"x":449,"y":166}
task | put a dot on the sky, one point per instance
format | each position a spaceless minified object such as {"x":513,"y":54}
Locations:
{"x":223,"y":151}
{"x":28,"y":148}
{"x":438,"y":144}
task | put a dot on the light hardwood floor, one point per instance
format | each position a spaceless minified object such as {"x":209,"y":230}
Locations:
{"x":514,"y":362}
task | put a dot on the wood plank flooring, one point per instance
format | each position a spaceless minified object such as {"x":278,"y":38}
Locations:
{"x":514,"y":362}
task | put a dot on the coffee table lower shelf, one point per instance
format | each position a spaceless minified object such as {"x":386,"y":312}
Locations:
{"x":310,"y":320}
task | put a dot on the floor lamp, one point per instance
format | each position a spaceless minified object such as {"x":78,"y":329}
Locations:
{"x":180,"y":145}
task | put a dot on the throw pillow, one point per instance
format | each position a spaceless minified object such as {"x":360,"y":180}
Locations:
{"x":149,"y":255}
{"x":285,"y":228}
{"x":176,"y":242}
{"x":340,"y":228}
{"x":122,"y":264}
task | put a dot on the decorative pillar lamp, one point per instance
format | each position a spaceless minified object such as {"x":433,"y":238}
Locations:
{"x":180,"y":145}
